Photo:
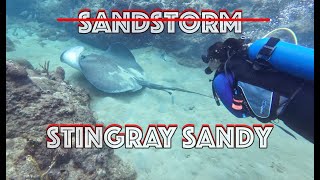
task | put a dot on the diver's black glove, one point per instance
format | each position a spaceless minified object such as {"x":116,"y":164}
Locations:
{"x":205,"y":59}
{"x":208,"y":70}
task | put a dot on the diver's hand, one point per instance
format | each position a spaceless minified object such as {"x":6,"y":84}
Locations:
{"x":205,"y":59}
{"x":213,"y":64}
{"x":208,"y":70}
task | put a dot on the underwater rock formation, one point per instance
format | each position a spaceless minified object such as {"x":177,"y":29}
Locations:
{"x":9,"y":45}
{"x":22,"y":62}
{"x":34,"y":100}
{"x":53,"y":34}
{"x":187,"y":47}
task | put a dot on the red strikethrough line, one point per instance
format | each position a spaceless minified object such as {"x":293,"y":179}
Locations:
{"x":161,"y":19}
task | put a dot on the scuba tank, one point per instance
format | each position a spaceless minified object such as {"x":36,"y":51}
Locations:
{"x":293,"y":59}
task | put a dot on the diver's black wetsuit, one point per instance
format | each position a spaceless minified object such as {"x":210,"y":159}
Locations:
{"x":299,"y":114}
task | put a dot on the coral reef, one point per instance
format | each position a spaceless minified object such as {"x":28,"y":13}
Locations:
{"x":187,"y":47}
{"x":22,"y":62}
{"x":53,"y":34}
{"x":35,"y":99}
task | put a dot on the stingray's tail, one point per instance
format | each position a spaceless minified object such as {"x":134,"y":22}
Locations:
{"x":161,"y":87}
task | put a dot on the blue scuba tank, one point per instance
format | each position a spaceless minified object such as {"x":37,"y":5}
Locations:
{"x":293,"y":59}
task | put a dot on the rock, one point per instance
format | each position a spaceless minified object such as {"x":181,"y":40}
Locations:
{"x":32,"y":102}
{"x":120,"y":170}
{"x":14,"y":71}
{"x":23,"y":62}
{"x":9,"y":45}
{"x":59,"y":74}
{"x":188,"y":47}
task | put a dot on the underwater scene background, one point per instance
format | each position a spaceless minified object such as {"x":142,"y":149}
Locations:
{"x":43,"y":90}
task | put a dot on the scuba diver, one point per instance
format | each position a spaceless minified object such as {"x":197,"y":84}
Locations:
{"x":268,"y":79}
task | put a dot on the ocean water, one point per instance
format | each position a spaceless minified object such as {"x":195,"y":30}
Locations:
{"x":285,"y":158}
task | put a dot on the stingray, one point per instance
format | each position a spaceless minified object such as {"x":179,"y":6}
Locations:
{"x":114,"y":71}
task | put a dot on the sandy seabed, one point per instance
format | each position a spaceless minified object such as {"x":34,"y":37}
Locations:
{"x":285,"y":157}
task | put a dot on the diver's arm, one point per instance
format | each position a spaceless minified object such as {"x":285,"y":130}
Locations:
{"x":224,"y":92}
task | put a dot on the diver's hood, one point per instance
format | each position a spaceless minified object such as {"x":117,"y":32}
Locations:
{"x":72,"y":56}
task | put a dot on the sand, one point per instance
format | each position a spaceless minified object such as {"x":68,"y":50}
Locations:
{"x":285,"y":157}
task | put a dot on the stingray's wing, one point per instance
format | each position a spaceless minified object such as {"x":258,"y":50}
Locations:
{"x":122,"y":55}
{"x":108,"y":76}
